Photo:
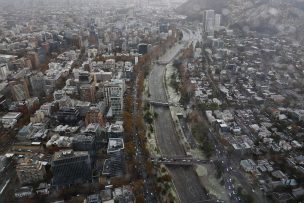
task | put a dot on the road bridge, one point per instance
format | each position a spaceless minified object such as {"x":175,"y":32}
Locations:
{"x":180,"y":160}
{"x":160,"y":103}
{"x":162,"y":62}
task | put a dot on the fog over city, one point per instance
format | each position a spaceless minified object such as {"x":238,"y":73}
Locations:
{"x":151,"y":101}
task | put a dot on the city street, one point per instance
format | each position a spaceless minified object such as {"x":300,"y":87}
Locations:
{"x":148,"y":182}
{"x":231,"y":171}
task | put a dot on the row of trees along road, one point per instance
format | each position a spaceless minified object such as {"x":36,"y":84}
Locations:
{"x":141,"y":70}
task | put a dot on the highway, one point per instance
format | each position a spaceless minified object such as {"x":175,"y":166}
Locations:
{"x":185,"y":179}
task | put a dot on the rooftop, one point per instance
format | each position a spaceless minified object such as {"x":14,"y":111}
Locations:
{"x":63,"y":154}
{"x":115,"y":144}
{"x":12,"y":115}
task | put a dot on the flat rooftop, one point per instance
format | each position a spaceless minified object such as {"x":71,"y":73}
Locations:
{"x":68,"y":153}
{"x":12,"y":115}
{"x":115,"y":144}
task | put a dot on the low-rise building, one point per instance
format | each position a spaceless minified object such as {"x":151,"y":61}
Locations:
{"x":95,"y":198}
{"x":43,"y":189}
{"x":30,"y":171}
{"x":10,"y":119}
{"x":24,"y":192}
{"x":93,"y":129}
{"x":123,"y":194}
{"x":248,"y":165}
{"x":115,"y":130}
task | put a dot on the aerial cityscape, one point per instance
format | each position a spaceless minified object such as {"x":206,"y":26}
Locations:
{"x":151,"y":101}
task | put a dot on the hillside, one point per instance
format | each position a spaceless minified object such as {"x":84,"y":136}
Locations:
{"x":281,"y":17}
{"x":194,"y":6}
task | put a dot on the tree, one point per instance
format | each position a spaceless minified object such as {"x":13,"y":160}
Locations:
{"x":119,"y":181}
{"x":177,"y":63}
{"x":247,"y":198}
{"x":131,"y":168}
{"x":149,"y":167}
{"x":174,"y":83}
{"x":171,"y":198}
{"x":197,"y":45}
{"x":138,"y":186}
{"x":140,"y":198}
{"x":166,"y":178}
{"x":127,"y":125}
{"x":130,"y":148}
{"x":148,"y":117}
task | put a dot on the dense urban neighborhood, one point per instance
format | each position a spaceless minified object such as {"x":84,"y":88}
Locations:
{"x":131,"y":101}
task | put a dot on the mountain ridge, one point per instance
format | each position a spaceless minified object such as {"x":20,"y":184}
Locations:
{"x":277,"y":17}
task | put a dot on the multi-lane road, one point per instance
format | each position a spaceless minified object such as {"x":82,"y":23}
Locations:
{"x":185,"y":179}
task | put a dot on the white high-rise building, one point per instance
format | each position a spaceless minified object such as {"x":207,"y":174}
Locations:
{"x":4,"y":71}
{"x":217,"y":22}
{"x":114,"y":91}
{"x":209,"y":21}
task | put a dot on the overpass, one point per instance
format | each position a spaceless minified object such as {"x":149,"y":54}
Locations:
{"x":160,"y":103}
{"x":162,"y":62}
{"x":180,"y":160}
